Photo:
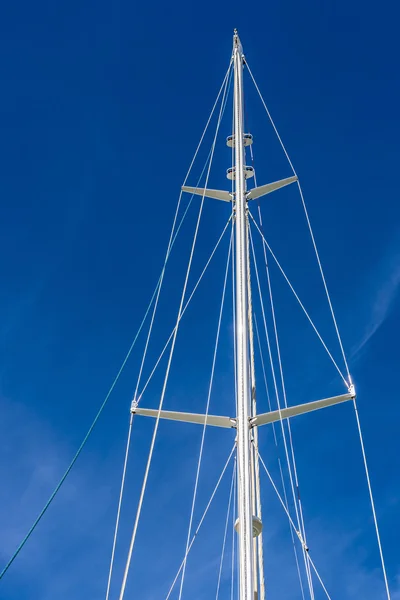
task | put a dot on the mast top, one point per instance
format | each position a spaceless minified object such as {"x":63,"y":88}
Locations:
{"x":236,"y":41}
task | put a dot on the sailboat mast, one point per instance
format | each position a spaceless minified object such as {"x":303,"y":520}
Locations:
{"x":246,"y":577}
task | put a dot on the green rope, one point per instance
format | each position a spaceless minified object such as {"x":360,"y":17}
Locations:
{"x":85,"y":439}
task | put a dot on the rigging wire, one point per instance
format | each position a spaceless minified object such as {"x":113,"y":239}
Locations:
{"x":292,"y":485}
{"x":233,"y":266}
{"x":234,"y":308}
{"x":160,"y":282}
{"x":258,"y":543}
{"x":123,"y":364}
{"x":277,"y":344}
{"x":233,"y":537}
{"x":184,"y":309}
{"x":228,"y":512}
{"x":234,"y":362}
{"x":130,"y":427}
{"x":278,"y":457}
{"x":206,"y":411}
{"x":371,"y":497}
{"x":283,"y":390}
{"x":166,"y":378}
{"x":121,"y":494}
{"x":366,"y":468}
{"x":226,"y":83}
{"x":298,"y":531}
{"x":309,"y":227}
{"x":319,"y":577}
{"x":201,"y":521}
{"x":299,"y":301}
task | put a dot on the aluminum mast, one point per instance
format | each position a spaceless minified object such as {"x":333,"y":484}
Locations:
{"x":246,"y":566}
{"x":247,"y":420}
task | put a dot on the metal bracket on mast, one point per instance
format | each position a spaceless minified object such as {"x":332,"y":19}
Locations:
{"x":215,"y":194}
{"x":231,"y":422}
{"x":257,"y":192}
{"x":263,"y":190}
{"x":300,"y":409}
{"x":169,"y":415}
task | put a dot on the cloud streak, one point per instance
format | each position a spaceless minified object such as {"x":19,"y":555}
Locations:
{"x":32,"y":460}
{"x":383,"y":297}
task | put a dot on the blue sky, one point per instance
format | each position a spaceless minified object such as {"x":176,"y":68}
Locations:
{"x":101,"y":109}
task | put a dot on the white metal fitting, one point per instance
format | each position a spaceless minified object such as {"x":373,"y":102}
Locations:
{"x":257,"y":526}
{"x":306,"y":548}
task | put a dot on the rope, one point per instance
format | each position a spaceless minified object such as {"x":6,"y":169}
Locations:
{"x":279,"y":460}
{"x":149,"y":460}
{"x":121,"y":493}
{"x":279,"y":408}
{"x":298,"y":532}
{"x":377,"y":532}
{"x":285,"y":402}
{"x":160,"y":281}
{"x":233,"y":262}
{"x":233,"y":265}
{"x":223,"y":86}
{"x":298,"y":300}
{"x":127,"y":356}
{"x":337,"y":334}
{"x":201,"y":521}
{"x":170,"y":244}
{"x":328,"y":297}
{"x":319,"y":577}
{"x":371,"y":497}
{"x":233,"y":540}
{"x":270,"y":118}
{"x":184,"y":309}
{"x":148,"y":381}
{"x":206,"y":412}
{"x":234,"y":308}
{"x":226,"y":530}
{"x":273,"y":370}
{"x":309,"y":227}
{"x":83,"y":443}
{"x":258,"y":548}
{"x":279,"y":497}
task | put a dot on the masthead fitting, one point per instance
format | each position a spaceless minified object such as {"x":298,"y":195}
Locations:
{"x":236,"y":41}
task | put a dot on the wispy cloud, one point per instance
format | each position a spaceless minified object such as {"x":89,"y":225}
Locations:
{"x":344,"y":552}
{"x":33,"y":459}
{"x":382,"y":288}
{"x":68,"y":556}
